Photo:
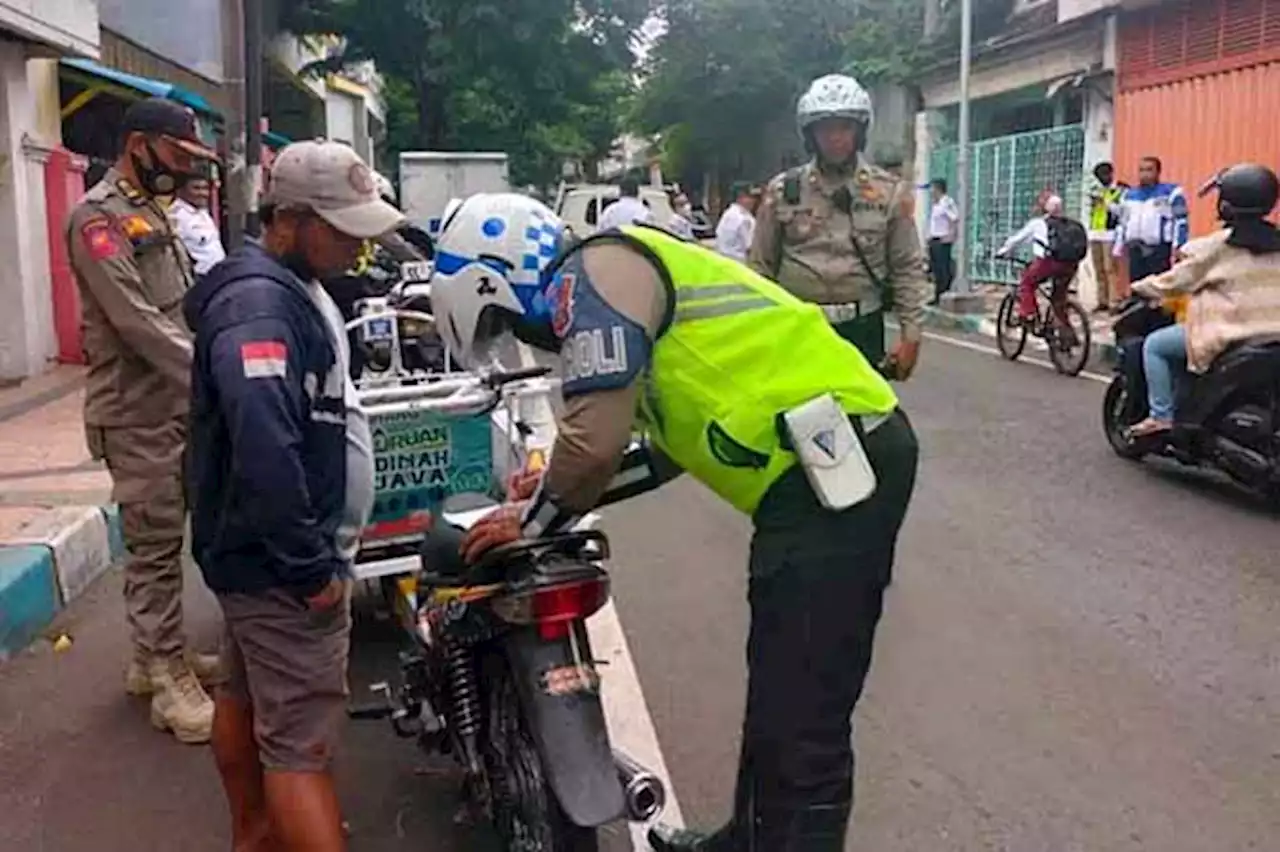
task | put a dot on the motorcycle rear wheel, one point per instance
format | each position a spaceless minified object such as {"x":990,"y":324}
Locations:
{"x":1114,"y":423}
{"x":526,"y":814}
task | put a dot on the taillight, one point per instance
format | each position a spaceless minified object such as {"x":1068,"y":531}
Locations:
{"x":553,"y":609}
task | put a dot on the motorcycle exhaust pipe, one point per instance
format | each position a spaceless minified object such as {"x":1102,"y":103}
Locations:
{"x":642,"y":791}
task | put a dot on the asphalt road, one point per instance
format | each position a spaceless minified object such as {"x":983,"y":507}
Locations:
{"x":1079,"y":653}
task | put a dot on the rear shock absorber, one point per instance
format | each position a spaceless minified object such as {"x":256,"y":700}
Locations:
{"x":464,"y":693}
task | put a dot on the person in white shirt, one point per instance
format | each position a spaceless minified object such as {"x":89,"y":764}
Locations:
{"x":189,"y":213}
{"x":737,"y":224}
{"x":944,"y":218}
{"x":681,"y":223}
{"x":628,"y":209}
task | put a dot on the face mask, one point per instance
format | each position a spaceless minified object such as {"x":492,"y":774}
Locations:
{"x":157,"y":178}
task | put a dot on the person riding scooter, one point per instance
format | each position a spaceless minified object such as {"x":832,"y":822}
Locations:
{"x":1232,"y":281}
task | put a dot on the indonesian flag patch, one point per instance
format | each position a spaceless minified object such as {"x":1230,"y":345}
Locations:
{"x":264,"y":359}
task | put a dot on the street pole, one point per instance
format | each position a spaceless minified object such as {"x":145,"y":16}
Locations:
{"x":253,"y":66}
{"x":232,"y":148}
{"x":962,"y":284}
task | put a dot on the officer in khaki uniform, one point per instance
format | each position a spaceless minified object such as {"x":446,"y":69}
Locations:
{"x":840,"y":231}
{"x":132,"y":273}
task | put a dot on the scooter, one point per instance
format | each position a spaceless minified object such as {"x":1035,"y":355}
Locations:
{"x":1228,"y":419}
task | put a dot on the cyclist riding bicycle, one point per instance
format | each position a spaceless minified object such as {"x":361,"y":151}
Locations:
{"x":1058,"y":244}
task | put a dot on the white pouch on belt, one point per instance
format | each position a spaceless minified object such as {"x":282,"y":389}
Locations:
{"x":830,"y":452}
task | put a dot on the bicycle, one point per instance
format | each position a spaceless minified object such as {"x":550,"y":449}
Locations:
{"x":1069,"y":356}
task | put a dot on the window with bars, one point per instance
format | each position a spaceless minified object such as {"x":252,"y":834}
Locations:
{"x":1188,"y":38}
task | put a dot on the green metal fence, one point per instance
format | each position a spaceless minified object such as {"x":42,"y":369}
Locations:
{"x":1007,"y":175}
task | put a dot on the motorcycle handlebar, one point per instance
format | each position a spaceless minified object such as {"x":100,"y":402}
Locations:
{"x":506,"y":377}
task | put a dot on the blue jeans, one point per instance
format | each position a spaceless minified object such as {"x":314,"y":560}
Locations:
{"x":1164,"y":358}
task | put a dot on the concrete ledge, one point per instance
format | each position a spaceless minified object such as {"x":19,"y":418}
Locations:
{"x":115,"y":533}
{"x":1103,"y":351}
{"x":28,"y":595}
{"x":938,"y":318}
{"x":81,"y":546}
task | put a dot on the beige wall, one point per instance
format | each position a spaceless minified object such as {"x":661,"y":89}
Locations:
{"x":68,"y":26}
{"x":43,"y":76}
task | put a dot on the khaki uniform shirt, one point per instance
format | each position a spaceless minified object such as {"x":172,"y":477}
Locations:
{"x":132,"y":273}
{"x":804,"y":244}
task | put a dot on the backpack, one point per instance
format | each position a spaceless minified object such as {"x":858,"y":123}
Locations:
{"x":1068,"y":240}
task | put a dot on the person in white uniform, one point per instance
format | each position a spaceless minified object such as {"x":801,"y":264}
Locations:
{"x":737,"y":225}
{"x":195,"y":226}
{"x":628,"y":209}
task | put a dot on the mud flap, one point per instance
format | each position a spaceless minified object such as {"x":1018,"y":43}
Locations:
{"x":561,"y":700}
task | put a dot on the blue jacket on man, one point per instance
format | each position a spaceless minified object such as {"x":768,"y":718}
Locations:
{"x":266,"y":455}
{"x":1154,"y":215}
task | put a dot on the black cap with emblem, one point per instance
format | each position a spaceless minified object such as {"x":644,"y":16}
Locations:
{"x":163,"y":117}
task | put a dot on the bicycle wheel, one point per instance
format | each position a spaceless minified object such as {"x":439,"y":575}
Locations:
{"x":1011,"y":335}
{"x":1070,"y":352}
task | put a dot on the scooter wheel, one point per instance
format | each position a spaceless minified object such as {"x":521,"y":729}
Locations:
{"x":1115,"y":424}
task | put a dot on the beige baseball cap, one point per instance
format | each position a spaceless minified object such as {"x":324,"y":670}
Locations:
{"x":331,"y":179}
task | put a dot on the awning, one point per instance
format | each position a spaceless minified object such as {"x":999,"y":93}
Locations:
{"x":100,"y":74}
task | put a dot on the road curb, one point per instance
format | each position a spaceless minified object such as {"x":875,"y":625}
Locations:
{"x":28,"y":595}
{"x":53,"y":561}
{"x":1103,"y":351}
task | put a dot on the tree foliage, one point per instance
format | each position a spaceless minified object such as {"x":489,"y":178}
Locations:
{"x":724,"y":68}
{"x":543,"y":80}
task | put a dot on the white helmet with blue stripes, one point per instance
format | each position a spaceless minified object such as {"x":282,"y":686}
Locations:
{"x":492,"y":266}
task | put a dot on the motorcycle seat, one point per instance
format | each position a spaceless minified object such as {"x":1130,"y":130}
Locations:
{"x":1251,"y":352}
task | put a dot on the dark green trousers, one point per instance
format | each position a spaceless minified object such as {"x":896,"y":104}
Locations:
{"x":816,"y":590}
{"x":867,"y":333}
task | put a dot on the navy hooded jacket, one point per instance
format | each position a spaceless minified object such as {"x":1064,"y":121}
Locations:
{"x":266,"y":454}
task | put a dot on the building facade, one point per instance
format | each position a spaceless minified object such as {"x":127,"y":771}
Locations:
{"x":1041,"y":116}
{"x":34,"y":34}
{"x":1199,"y":87}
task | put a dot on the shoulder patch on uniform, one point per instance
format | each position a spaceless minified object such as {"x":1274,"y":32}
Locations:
{"x":601,"y":348}
{"x":99,"y":237}
{"x":562,"y":303}
{"x":129,"y":191}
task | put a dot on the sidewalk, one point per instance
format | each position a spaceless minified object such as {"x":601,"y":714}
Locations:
{"x":984,"y":324}
{"x":58,"y":532}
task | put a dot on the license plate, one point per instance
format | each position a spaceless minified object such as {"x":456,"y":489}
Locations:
{"x":417,"y":270}
{"x":378,"y":329}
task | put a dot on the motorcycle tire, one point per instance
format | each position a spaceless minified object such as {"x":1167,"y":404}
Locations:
{"x":526,"y":813}
{"x":1114,"y":423}
{"x":1011,"y":336}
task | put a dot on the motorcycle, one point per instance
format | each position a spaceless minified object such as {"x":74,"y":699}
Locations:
{"x":1228,"y":419}
{"x":501,"y":677}
{"x":394,"y":333}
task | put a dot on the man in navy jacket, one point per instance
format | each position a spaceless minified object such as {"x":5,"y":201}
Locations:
{"x":280,"y":480}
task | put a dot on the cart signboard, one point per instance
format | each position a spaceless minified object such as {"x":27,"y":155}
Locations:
{"x":421,"y":458}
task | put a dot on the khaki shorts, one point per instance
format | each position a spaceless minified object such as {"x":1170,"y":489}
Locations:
{"x":289,"y":663}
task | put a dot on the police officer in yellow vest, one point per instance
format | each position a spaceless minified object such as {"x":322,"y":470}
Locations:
{"x":730,"y":378}
{"x":841,"y":232}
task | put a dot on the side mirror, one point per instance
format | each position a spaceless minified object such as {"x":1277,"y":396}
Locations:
{"x":419,"y":239}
